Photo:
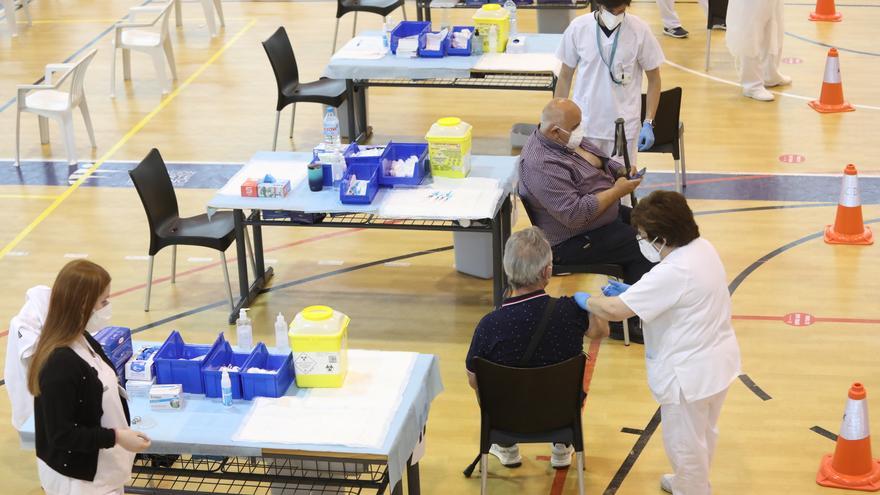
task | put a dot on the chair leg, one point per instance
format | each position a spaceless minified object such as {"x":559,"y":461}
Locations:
{"x":626,"y":332}
{"x":209,"y":16}
{"x":149,"y":283}
{"x":484,"y":474}
{"x":159,"y":64}
{"x":126,"y":64}
{"x":44,"y":129}
{"x":226,"y":276}
{"x":354,"y":25}
{"x":292,"y":118}
{"x":174,"y":264}
{"x":178,"y":12}
{"x":69,"y":140}
{"x":681,"y":155}
{"x":580,"y":468}
{"x":218,"y":6}
{"x":10,"y":18}
{"x":17,"y":136}
{"x":677,"y":176}
{"x":403,"y":7}
{"x":277,"y":122}
{"x":84,"y":109}
{"x":250,"y":252}
{"x":708,"y":47}
{"x":27,"y":12}
{"x":335,"y":36}
{"x":113,"y":71}
{"x":169,"y":56}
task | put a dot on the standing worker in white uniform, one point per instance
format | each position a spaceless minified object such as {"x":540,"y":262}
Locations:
{"x":755,"y":30}
{"x":24,"y":331}
{"x":691,"y":352}
{"x":610,"y":49}
{"x":671,"y":21}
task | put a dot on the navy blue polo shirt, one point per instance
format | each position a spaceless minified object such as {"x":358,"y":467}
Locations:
{"x":503,"y":335}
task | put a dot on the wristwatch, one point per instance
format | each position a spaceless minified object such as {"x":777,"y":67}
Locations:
{"x":650,"y":121}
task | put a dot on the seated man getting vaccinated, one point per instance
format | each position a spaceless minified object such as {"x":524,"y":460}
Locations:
{"x":573,"y":191}
{"x":503,"y":335}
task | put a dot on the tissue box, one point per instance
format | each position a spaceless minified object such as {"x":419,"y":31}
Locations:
{"x":274,"y":190}
{"x":116,"y":342}
{"x":139,"y":388}
{"x":166,"y":397}
{"x":250,"y":188}
{"x":141,"y":365}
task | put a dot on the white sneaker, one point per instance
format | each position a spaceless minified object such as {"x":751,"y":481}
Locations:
{"x":760,"y":94}
{"x":783,"y":81}
{"x":666,"y":483}
{"x":509,"y":456}
{"x":560,"y":455}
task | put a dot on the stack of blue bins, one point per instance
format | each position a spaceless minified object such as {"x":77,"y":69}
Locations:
{"x":176,"y":363}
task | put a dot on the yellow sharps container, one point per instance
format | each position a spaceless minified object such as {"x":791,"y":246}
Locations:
{"x":492,"y":14}
{"x":319,"y":339}
{"x":449,"y":148}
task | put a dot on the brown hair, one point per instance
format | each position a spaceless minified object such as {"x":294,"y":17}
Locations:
{"x":613,"y":4}
{"x":666,"y":214}
{"x":74,"y":295}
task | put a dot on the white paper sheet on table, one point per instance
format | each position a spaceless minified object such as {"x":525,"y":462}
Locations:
{"x":294,"y":171}
{"x":356,"y":415}
{"x":362,"y":48}
{"x":519,"y":62}
{"x":471,"y":198}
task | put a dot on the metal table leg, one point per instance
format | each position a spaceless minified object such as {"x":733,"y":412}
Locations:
{"x":413,"y":483}
{"x":248,"y":292}
{"x":497,"y":257}
{"x":360,"y":91}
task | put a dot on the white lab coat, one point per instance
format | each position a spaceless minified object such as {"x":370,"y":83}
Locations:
{"x":755,"y":32}
{"x":691,"y":354}
{"x":601,"y":100}
{"x":24,"y":330}
{"x":670,"y":16}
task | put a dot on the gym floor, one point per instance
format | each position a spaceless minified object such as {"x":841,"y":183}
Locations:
{"x":764,"y":179}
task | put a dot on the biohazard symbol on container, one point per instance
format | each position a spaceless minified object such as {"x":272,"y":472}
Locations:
{"x":799,"y":319}
{"x":330,"y":368}
{"x":304,"y":364}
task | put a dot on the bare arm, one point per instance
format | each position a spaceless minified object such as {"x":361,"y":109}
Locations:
{"x":598,"y":328}
{"x":472,"y":379}
{"x":653,"y":96}
{"x":622,"y":188}
{"x":563,"y":83}
{"x":609,"y":308}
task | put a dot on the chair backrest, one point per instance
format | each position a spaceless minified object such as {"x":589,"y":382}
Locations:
{"x":77,"y":75}
{"x":717,"y":13}
{"x":165,"y":15}
{"x":529,"y":211}
{"x":530,"y":401}
{"x":153,"y":185}
{"x":666,"y":122}
{"x":283,"y":61}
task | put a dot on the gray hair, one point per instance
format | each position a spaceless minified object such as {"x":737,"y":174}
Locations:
{"x":526,"y":255}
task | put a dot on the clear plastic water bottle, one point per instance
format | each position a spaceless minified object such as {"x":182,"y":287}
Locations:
{"x":331,"y":129}
{"x":493,"y":39}
{"x":510,"y":6}
{"x":226,"y":389}
{"x":386,"y":33}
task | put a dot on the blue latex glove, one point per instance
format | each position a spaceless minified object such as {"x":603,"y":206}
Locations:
{"x":614,"y":288}
{"x":581,"y":299}
{"x":646,"y":137}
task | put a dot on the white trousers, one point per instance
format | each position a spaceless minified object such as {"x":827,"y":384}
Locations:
{"x":757,"y":72}
{"x":690,"y":431}
{"x":670,"y":16}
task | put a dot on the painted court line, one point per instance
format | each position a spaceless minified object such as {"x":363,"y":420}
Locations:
{"x":76,"y":256}
{"x":119,"y":144}
{"x":816,"y":319}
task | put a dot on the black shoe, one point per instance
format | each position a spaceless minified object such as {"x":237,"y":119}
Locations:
{"x":678,"y":32}
{"x":635,"y":334}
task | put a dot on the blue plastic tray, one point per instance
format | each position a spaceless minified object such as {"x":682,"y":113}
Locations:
{"x":461,"y":52}
{"x":425,"y":53}
{"x":360,"y":160}
{"x":211,"y":374}
{"x":174,"y":362}
{"x":362,"y":172}
{"x":264,"y":384}
{"x":402,"y":151}
{"x":406,"y":29}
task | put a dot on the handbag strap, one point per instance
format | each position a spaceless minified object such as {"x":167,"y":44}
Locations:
{"x":539,"y":333}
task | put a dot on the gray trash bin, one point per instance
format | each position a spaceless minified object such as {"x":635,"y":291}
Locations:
{"x":473,"y":253}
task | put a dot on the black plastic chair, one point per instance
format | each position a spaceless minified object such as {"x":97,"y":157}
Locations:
{"x":669,"y":132}
{"x":717,"y":16}
{"x":531,"y":405}
{"x":330,"y":92}
{"x":380,"y":7}
{"x":168,"y":228}
{"x":607,"y":269}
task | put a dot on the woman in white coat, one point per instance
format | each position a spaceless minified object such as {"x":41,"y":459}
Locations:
{"x":691,"y":352}
{"x":755,"y":30}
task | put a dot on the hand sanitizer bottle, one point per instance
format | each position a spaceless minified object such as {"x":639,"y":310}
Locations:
{"x":282,"y":341}
{"x":226,"y":389}
{"x":244,"y":331}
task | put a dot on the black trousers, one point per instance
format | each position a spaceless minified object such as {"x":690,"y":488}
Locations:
{"x":614,"y":243}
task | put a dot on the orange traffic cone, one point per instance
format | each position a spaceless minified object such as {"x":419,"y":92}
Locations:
{"x":848,"y":225}
{"x":825,"y":11}
{"x":831,"y":99}
{"x":852,"y":466}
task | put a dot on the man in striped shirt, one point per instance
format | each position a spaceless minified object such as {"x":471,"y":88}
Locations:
{"x":573,"y":192}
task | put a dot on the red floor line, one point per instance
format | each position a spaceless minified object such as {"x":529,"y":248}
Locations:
{"x":558,"y":481}
{"x":709,"y":181}
{"x":593,"y":356}
{"x":759,"y":318}
{"x":815,"y":319}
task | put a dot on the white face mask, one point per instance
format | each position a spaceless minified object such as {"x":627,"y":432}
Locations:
{"x":100,"y":319}
{"x":575,"y":136}
{"x":648,"y":250}
{"x":610,"y":20}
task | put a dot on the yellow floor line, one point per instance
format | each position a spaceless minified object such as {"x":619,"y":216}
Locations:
{"x":114,"y":21}
{"x":131,"y":133}
{"x":27,"y":196}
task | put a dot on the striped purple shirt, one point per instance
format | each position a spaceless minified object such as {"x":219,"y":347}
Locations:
{"x":561,"y":186}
